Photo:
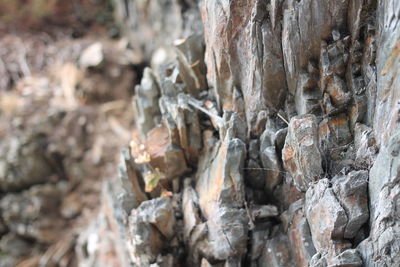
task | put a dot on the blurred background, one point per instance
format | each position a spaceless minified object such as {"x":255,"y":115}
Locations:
{"x":66,"y":78}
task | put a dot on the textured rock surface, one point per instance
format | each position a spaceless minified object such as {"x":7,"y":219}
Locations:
{"x":300,"y":155}
{"x":267,"y":134}
{"x":281,"y":130}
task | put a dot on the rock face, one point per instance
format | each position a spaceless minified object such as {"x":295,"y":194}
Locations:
{"x":268,"y":135}
{"x":279,"y":119}
{"x":300,"y":155}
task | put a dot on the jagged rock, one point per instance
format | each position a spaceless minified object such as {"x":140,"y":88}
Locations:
{"x":287,"y":192}
{"x":351,"y":191}
{"x":318,"y":261}
{"x":276,"y":253}
{"x":116,"y":206}
{"x":325,"y":215}
{"x":334,"y":137}
{"x":254,"y":148}
{"x":145,"y":242}
{"x":164,"y":155}
{"x":130,"y":179}
{"x":300,"y":155}
{"x":387,"y":95}
{"x":182,"y":123}
{"x":149,"y":225}
{"x":365,"y":144}
{"x":310,"y":62}
{"x":349,"y":257}
{"x":271,"y":163}
{"x":205,"y":263}
{"x":190,"y":209}
{"x":233,"y":126}
{"x":301,"y":244}
{"x":308,"y":95}
{"x":305,"y":23}
{"x":230,"y":57}
{"x":333,"y":132}
{"x":158,"y":212}
{"x":333,"y":59}
{"x":190,"y":55}
{"x":146,"y":102}
{"x":220,"y":188}
{"x":381,"y":248}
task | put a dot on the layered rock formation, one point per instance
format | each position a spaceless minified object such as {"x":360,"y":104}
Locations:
{"x":281,"y":123}
{"x":268,"y":135}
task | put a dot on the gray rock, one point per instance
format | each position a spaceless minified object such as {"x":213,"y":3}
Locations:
{"x":261,"y":78}
{"x":300,"y":240}
{"x":158,"y":212}
{"x":349,"y":258}
{"x":325,"y":215}
{"x":191,"y":215}
{"x":149,"y":225}
{"x":381,"y":248}
{"x":271,"y":168}
{"x":300,"y":155}
{"x":351,"y":191}
{"x":146,"y":102}
{"x":276,"y":253}
{"x":220,"y":188}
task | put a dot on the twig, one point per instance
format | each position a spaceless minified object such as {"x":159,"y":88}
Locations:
{"x":280,"y":116}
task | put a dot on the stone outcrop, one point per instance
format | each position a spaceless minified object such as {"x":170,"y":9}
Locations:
{"x":279,"y":119}
{"x":267,"y":135}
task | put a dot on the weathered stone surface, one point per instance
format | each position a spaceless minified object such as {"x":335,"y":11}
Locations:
{"x":365,"y":144}
{"x":387,"y":62}
{"x":349,"y":258}
{"x":301,"y":244}
{"x":310,"y":87}
{"x":305,"y":23}
{"x":190,"y":55}
{"x":381,"y":248}
{"x":300,"y":155}
{"x":271,"y":163}
{"x":220,"y":188}
{"x":325,"y":215}
{"x":232,"y":39}
{"x":182,"y":122}
{"x":351,"y":191}
{"x":164,"y":155}
{"x":149,"y":225}
{"x":129,"y":178}
{"x":191,"y":216}
{"x":276,"y":253}
{"x":146,"y":102}
{"x":258,"y":239}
